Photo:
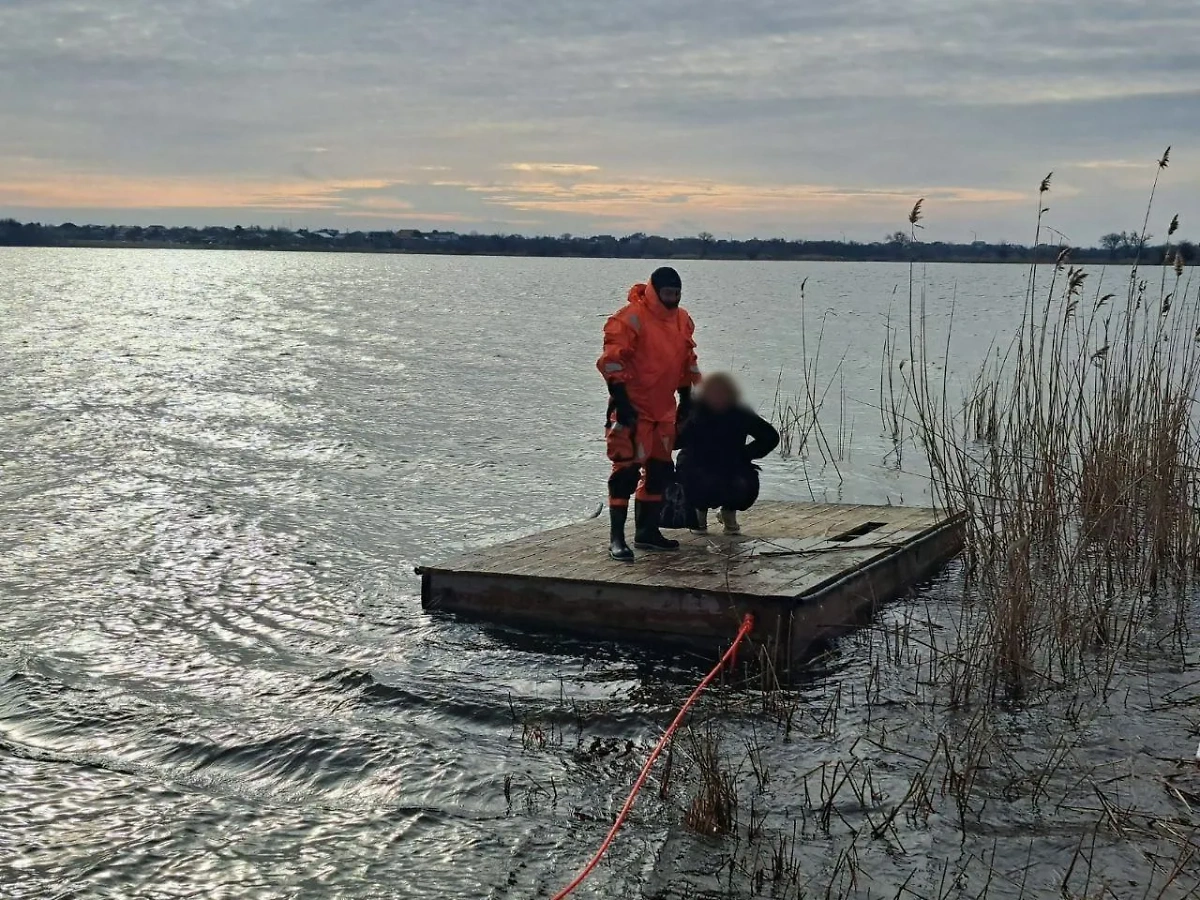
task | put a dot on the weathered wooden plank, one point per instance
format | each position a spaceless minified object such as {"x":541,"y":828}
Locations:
{"x":796,"y":519}
{"x":830,"y":559}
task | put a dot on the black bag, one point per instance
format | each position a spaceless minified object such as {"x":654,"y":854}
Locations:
{"x":675,"y":512}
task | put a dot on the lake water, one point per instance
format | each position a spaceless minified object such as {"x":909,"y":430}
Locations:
{"x":218,"y":471}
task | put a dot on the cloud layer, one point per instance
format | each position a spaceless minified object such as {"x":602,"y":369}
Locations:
{"x":764,"y":117}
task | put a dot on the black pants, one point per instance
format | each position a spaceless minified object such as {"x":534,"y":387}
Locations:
{"x":623,"y":481}
{"x":713,"y":486}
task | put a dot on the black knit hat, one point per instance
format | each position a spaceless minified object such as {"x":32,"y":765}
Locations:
{"x":666,"y":277}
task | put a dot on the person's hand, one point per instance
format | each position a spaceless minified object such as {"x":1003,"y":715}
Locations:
{"x":623,"y":408}
{"x":625,"y":414}
{"x":685,"y":404}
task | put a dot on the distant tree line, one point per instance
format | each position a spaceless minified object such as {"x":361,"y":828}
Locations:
{"x":1117,"y":247}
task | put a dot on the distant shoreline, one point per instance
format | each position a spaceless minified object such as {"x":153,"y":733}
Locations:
{"x":1117,"y":249}
{"x":1047,"y":254}
{"x":150,"y":245}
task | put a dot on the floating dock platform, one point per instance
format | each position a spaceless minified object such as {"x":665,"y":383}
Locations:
{"x":806,"y":571}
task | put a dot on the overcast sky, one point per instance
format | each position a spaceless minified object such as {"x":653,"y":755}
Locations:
{"x":759,"y":117}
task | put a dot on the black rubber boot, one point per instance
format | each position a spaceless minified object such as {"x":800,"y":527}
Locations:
{"x":617,"y":548}
{"x":646,"y":535}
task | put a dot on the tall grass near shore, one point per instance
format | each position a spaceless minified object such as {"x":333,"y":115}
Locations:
{"x":1075,"y":458}
{"x":980,"y":748}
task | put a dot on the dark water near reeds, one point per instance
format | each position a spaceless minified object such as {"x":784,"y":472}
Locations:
{"x":217,"y":472}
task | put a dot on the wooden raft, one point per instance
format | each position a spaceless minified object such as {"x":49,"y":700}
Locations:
{"x":806,"y":571}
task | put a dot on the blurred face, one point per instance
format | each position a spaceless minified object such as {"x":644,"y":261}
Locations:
{"x":670,"y":297}
{"x":717,"y":396}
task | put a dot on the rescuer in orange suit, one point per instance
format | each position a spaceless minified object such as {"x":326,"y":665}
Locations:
{"x":649,"y":355}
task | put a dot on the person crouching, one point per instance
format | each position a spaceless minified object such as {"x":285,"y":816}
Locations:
{"x":718,"y":442}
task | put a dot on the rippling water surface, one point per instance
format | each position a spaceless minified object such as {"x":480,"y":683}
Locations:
{"x":218,"y":472}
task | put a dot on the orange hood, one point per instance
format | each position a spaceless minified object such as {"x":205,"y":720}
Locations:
{"x":646,"y":297}
{"x":651,"y":350}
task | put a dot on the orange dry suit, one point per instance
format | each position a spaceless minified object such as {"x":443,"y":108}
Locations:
{"x":650,"y":349}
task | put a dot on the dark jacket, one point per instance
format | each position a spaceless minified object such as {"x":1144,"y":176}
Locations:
{"x":719,"y":440}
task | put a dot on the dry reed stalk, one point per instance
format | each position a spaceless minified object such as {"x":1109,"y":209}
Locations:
{"x":713,"y":808}
{"x":798,"y":417}
{"x":1082,"y":501}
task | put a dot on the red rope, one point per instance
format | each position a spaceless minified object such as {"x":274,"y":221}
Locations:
{"x":747,"y":625}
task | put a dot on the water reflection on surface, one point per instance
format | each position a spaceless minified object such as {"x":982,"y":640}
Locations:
{"x":215,"y":678}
